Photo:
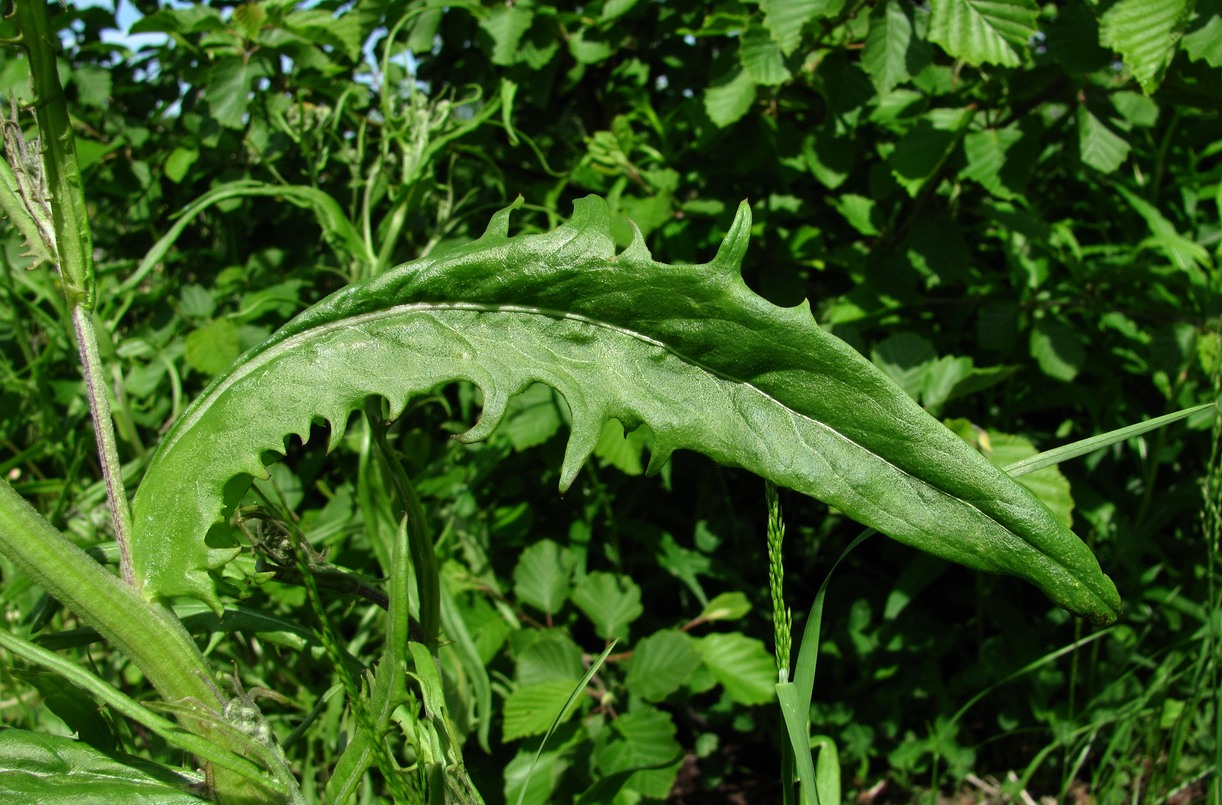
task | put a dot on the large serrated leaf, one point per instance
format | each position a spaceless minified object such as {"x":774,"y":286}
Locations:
{"x":689,"y":350}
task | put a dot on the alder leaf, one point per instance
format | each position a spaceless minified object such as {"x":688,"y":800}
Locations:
{"x":690,"y":351}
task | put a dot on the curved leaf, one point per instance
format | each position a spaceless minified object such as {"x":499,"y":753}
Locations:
{"x":689,"y":350}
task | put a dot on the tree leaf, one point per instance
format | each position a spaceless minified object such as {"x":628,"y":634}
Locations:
{"x":1057,"y":348}
{"x":1145,"y":33}
{"x":661,"y":664}
{"x":642,"y":740}
{"x":761,"y":57}
{"x":1203,"y":39}
{"x":612,"y":601}
{"x":1099,"y":146}
{"x":727,"y":101}
{"x":531,"y":709}
{"x":983,"y":31}
{"x":741,"y":665}
{"x":785,"y":19}
{"x":885,"y":55}
{"x":541,"y":577}
{"x":689,"y":350}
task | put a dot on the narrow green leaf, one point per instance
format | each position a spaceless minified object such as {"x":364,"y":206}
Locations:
{"x":983,"y":31}
{"x":1146,"y":34}
{"x":688,"y":350}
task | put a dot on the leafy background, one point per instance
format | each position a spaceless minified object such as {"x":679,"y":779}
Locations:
{"x":1011,"y":209}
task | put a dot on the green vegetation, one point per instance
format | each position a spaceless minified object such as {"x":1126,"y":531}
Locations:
{"x":342,"y":293}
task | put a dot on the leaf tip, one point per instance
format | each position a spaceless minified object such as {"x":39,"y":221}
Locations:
{"x":733,"y":247}
{"x":581,"y":444}
{"x":498,"y":226}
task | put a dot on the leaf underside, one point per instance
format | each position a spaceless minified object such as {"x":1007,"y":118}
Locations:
{"x":689,"y":350}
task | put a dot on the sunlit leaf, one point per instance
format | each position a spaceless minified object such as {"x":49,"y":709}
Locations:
{"x":1146,"y":34}
{"x":983,"y":31}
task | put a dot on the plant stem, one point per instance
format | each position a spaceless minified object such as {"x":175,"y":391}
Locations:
{"x":104,"y":432}
{"x":73,"y":248}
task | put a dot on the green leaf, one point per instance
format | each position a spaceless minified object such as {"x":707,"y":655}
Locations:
{"x":689,"y":350}
{"x":324,"y":27}
{"x":861,"y":213}
{"x":727,"y":101}
{"x":742,"y":665}
{"x":886,"y":53}
{"x":983,"y":31}
{"x":1057,"y":349}
{"x":995,"y":160}
{"x":541,"y":577}
{"x":532,"y":418}
{"x":785,"y":19}
{"x":641,"y":740}
{"x":611,"y":601}
{"x":1145,"y":33}
{"x":548,"y":654}
{"x":212,"y":347}
{"x":920,"y":153}
{"x":46,"y":768}
{"x":761,"y":57}
{"x":531,"y":709}
{"x":661,"y":664}
{"x":1203,"y":39}
{"x":726,"y":607}
{"x":1048,"y":484}
{"x":1098,"y":145}
{"x":230,"y":81}
{"x":906,"y":358}
{"x":73,"y":706}
{"x":179,"y":162}
{"x":506,"y":24}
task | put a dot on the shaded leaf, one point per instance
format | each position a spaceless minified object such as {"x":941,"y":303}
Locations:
{"x":641,"y":739}
{"x":1098,"y":145}
{"x":1203,"y":39}
{"x":729,"y":100}
{"x":541,"y":577}
{"x":1057,"y":348}
{"x":785,"y":19}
